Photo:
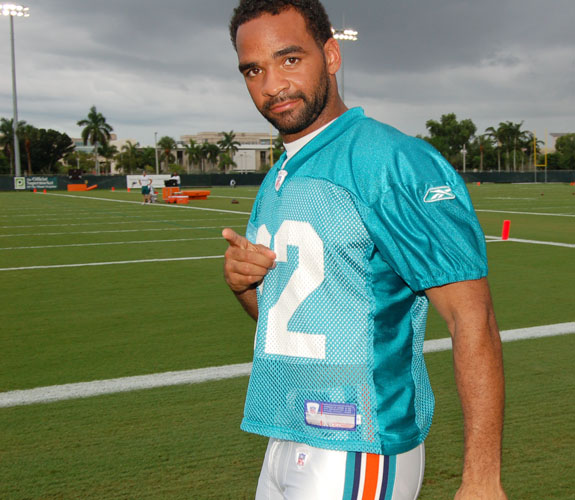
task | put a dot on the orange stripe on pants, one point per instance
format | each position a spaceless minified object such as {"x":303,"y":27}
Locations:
{"x":371,"y":476}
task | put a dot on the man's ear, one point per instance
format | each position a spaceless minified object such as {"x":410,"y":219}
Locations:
{"x":332,"y":56}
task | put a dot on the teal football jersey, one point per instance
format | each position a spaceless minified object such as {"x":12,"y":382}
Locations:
{"x":363,"y":220}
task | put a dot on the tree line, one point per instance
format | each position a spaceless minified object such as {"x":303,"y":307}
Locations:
{"x":50,"y":152}
{"x":506,"y":147}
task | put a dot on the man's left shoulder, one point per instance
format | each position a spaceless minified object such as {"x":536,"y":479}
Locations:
{"x":382,"y":138}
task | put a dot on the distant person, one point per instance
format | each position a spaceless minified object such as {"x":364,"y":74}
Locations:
{"x":75,"y":174}
{"x":145,"y":182}
{"x":176,"y":177}
{"x":153,"y":194}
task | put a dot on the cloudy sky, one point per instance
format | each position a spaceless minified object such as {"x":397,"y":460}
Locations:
{"x":168,"y":67}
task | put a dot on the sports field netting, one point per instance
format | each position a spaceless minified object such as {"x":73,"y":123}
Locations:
{"x":96,"y":286}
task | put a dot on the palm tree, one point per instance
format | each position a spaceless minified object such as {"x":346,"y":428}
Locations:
{"x":108,"y":152}
{"x":194,"y":154}
{"x":7,"y":138}
{"x":131,"y":150}
{"x":508,"y":136}
{"x":225,"y":162}
{"x":526,"y":147}
{"x":27,"y":131}
{"x":211,"y":152}
{"x":496,"y":135}
{"x":516,"y":137}
{"x":167,"y":145}
{"x":277,"y":150}
{"x":506,"y":131}
{"x":96,"y":131}
{"x":228,"y":144}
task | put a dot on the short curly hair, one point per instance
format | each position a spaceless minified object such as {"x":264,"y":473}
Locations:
{"x":316,"y":18}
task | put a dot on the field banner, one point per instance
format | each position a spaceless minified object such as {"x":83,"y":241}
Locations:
{"x":19,"y":182}
{"x":38,"y":182}
{"x":157,"y":180}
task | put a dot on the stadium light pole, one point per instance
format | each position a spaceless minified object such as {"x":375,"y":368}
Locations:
{"x":14,"y":10}
{"x":156,"y":152}
{"x":344,"y":35}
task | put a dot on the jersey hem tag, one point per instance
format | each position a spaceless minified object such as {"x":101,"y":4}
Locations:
{"x":333,"y":416}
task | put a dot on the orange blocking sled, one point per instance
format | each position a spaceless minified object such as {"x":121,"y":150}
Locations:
{"x":81,"y":187}
{"x":169,"y":191}
{"x":197,"y":195}
{"x":180,"y":200}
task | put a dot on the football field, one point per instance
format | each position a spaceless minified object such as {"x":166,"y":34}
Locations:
{"x":124,"y":355}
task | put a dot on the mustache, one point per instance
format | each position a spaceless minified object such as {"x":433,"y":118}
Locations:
{"x":282,"y":98}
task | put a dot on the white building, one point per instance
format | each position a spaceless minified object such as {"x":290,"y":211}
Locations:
{"x":254,"y":151}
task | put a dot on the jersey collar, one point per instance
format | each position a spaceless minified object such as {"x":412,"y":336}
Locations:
{"x":328,"y":135}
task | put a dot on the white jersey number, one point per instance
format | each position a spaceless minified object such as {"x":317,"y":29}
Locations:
{"x":306,"y":278}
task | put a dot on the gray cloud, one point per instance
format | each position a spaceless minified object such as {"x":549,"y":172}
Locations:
{"x":170,"y":67}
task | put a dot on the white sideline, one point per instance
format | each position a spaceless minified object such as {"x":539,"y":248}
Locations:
{"x":126,"y":384}
{"x":172,"y":205}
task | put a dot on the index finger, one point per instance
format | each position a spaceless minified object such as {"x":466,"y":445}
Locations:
{"x":235,"y":240}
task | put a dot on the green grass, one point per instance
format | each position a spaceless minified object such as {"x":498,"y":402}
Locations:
{"x":184,"y":442}
{"x":77,"y":324}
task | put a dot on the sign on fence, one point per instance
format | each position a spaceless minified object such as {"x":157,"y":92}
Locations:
{"x":37,"y":181}
{"x":19,"y":182}
{"x":157,"y":180}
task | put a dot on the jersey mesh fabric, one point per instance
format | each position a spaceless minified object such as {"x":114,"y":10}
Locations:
{"x":337,"y":311}
{"x":342,"y":315}
{"x":424,"y":399}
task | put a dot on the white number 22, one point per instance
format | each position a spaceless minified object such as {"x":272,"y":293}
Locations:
{"x":306,"y":278}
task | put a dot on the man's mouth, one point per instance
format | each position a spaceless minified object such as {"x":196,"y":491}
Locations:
{"x":282,"y":105}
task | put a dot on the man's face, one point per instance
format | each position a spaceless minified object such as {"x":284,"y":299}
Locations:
{"x":285,"y":71}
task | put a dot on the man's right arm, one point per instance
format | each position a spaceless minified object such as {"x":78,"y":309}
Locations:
{"x":245,"y":267}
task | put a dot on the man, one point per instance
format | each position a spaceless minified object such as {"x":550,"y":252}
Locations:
{"x":352,"y":232}
{"x":176,"y":177}
{"x":145,"y":182}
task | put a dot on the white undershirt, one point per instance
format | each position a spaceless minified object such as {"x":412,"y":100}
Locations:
{"x":293,"y":147}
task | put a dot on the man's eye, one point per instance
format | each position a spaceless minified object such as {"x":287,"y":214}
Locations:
{"x":290,"y":61}
{"x":250,"y":73}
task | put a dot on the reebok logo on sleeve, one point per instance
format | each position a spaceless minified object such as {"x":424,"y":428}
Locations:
{"x":438,"y":194}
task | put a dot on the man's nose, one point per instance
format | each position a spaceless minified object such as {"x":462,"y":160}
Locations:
{"x":274,"y":83}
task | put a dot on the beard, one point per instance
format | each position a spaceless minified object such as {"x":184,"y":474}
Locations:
{"x":294,"y":122}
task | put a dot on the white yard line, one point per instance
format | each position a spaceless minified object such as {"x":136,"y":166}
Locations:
{"x":139,"y":220}
{"x":534,"y":332}
{"x":523,"y":213}
{"x":105,"y":221}
{"x":141,"y":230}
{"x":493,"y":239}
{"x":110,"y":243}
{"x":234,"y":197}
{"x":42,"y":214}
{"x":164,"y":205}
{"x":120,"y":262}
{"x":126,"y":384}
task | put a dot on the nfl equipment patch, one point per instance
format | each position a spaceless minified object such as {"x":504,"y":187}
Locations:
{"x":280,"y":179}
